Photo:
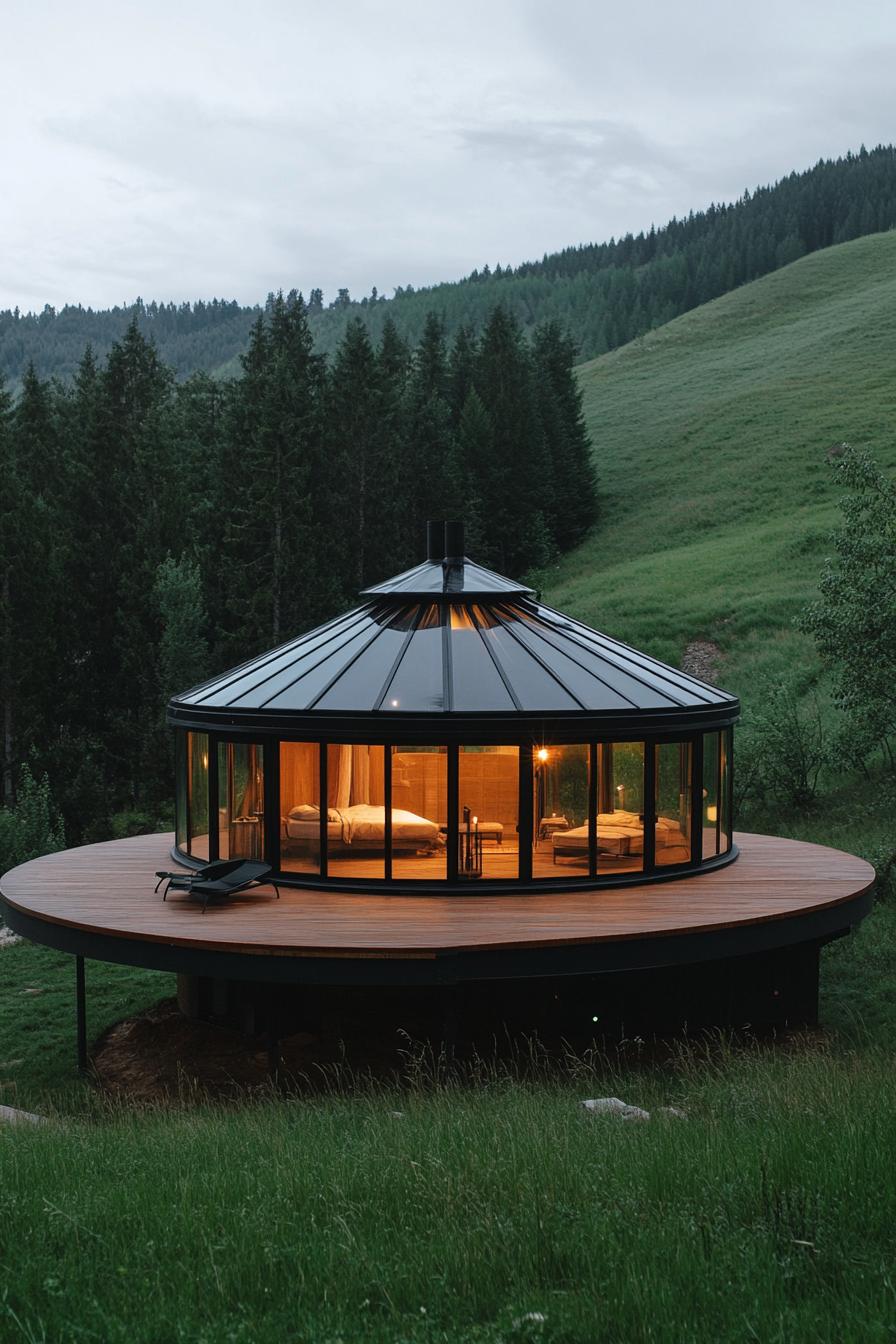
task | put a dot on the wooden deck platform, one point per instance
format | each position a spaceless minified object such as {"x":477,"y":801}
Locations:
{"x":98,"y":901}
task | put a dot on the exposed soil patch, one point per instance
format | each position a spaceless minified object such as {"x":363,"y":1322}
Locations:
{"x":162,"y":1055}
{"x":701,"y":659}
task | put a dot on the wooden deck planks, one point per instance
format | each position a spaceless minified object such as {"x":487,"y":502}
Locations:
{"x":108,"y":888}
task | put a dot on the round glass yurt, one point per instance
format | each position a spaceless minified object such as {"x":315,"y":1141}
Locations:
{"x":452,"y":732}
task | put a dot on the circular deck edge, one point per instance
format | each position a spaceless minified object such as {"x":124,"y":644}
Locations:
{"x":600,"y":954}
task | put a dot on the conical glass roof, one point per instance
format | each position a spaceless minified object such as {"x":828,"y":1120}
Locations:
{"x":453,"y":638}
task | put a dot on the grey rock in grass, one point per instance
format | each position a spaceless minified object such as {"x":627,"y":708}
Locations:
{"x":614,"y":1106}
{"x":7,"y":937}
{"x":673,"y":1112}
{"x":10,"y":1116}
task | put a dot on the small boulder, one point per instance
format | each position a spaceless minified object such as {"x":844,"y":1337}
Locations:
{"x":10,"y":1116}
{"x":614,"y":1106}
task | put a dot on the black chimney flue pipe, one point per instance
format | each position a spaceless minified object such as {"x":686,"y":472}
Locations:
{"x":435,"y":541}
{"x":454,"y":542}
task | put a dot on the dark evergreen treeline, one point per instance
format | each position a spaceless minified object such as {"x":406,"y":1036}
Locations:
{"x":190,"y":337}
{"x":153,"y":532}
{"x":603,"y":294}
{"x":606,"y":294}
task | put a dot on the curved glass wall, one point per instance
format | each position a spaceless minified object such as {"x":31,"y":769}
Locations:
{"x":197,"y":796}
{"x":353,"y":813}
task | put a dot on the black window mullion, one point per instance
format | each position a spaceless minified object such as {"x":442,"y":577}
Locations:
{"x":697,"y":799}
{"x":453,"y":785}
{"x":720,"y":748}
{"x":526,"y":820}
{"x":592,"y":809}
{"x":649,"y":806}
{"x":387,"y":808}
{"x":188,"y":796}
{"x":214,"y":852}
{"x":271,"y":816}
{"x":324,"y":810}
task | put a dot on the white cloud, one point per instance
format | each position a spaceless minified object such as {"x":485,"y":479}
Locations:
{"x":200,"y":148}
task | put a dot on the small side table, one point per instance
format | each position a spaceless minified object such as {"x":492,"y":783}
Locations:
{"x":548,"y":825}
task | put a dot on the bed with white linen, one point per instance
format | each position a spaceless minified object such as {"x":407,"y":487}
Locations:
{"x":361,"y":826}
{"x":619,"y":834}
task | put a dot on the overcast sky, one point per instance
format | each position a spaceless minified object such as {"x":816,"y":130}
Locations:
{"x":206,"y":148}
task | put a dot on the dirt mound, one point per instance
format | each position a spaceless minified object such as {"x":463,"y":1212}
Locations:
{"x":701,"y":659}
{"x":162,"y":1055}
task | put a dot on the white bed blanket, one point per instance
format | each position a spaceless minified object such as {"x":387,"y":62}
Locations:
{"x":363,"y":821}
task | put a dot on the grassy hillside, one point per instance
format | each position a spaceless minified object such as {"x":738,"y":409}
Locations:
{"x":712,"y":437}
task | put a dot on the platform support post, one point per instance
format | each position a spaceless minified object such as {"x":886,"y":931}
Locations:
{"x":81,"y":1014}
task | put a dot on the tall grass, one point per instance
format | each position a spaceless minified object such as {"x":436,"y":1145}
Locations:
{"x":767,"y":1214}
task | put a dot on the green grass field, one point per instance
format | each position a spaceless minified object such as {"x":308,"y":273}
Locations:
{"x":493,"y":1208}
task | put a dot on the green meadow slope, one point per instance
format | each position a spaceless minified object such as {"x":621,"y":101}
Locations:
{"x":712,"y":437}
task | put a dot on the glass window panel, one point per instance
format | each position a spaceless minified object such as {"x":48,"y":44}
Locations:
{"x":725,"y":795}
{"x":488,"y":813}
{"x":580,"y":673}
{"x":418,"y":683}
{"x":223,"y":815}
{"x":198,"y":795}
{"x":533,"y":685}
{"x":476,"y":682}
{"x":639,"y":667}
{"x":711,"y":811}
{"x":300,"y":807}
{"x":356,"y":824}
{"x":180,"y":790}
{"x":288,"y":659}
{"x":419,"y":813}
{"x":620,"y":807}
{"x":291,"y":690}
{"x":244,"y":805}
{"x":361,"y":683}
{"x":560,"y":811}
{"x":673,"y":803}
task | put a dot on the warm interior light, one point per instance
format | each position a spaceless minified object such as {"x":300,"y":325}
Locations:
{"x":542,"y":753}
{"x":712,"y":813}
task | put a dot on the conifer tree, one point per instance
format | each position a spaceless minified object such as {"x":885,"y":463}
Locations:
{"x":271,"y":469}
{"x":573,"y":503}
{"x":362,"y":469}
{"x":515,"y":477}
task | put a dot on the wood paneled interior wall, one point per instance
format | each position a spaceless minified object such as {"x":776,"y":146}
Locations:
{"x":299,"y":775}
{"x":420,"y":784}
{"x":488,"y":783}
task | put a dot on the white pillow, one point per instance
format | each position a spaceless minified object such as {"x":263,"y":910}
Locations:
{"x":311,"y":812}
